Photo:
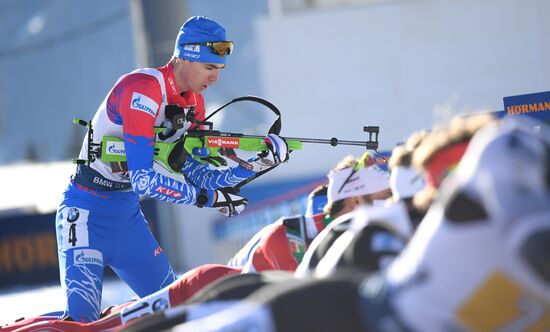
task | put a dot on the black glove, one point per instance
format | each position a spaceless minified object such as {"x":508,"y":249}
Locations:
{"x":229,"y":202}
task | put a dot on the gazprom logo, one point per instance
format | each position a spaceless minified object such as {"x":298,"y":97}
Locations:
{"x":143,"y":103}
{"x":88,"y":256}
{"x":116,"y":148}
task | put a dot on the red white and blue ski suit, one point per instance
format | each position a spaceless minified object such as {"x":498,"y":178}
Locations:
{"x":99,"y":222}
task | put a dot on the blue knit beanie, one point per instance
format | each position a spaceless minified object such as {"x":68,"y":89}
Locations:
{"x":199,"y":29}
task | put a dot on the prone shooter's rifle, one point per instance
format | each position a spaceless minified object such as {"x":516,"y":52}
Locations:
{"x":207,"y":145}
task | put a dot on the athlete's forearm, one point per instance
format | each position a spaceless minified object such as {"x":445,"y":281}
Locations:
{"x":205,"y":177}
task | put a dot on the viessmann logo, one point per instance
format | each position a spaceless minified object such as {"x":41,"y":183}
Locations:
{"x":223,"y":142}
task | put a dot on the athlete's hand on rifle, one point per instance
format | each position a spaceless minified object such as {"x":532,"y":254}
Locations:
{"x":276,"y":153}
{"x":228,"y":202}
{"x":277,"y":150}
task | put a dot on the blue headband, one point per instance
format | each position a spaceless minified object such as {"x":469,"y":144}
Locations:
{"x":199,"y":29}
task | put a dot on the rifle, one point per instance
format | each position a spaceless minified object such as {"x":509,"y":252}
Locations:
{"x":207,"y":145}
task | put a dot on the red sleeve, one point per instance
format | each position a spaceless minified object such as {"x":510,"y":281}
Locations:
{"x":194,"y":280}
{"x":140,"y":99}
{"x":40,"y":325}
{"x":274,"y":253}
{"x":27,"y":322}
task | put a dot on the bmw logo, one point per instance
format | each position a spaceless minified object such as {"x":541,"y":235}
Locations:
{"x":160,"y":304}
{"x":73,"y":215}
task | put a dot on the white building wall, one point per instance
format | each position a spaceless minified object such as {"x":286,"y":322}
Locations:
{"x":401,"y":65}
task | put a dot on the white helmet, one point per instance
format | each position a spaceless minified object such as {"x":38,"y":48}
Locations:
{"x":506,"y":171}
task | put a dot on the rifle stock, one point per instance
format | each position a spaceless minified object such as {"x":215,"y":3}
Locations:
{"x":196,"y":141}
{"x":112,"y":148}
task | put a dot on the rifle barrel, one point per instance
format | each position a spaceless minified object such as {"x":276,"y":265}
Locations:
{"x":333,"y":141}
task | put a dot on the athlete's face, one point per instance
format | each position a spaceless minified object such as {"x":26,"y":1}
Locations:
{"x":196,"y":76}
{"x":378,"y":196}
{"x":351,"y":203}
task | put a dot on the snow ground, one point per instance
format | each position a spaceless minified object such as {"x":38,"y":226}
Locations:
{"x":33,"y":301}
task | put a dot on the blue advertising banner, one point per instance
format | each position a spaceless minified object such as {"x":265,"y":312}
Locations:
{"x":532,"y":104}
{"x":28,"y":248}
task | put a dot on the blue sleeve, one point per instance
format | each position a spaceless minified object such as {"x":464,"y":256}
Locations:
{"x":205,"y":177}
{"x":146,"y":181}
